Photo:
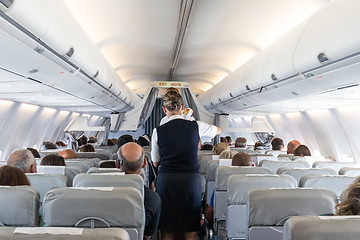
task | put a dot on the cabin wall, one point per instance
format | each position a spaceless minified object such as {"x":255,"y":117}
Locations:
{"x":24,"y":125}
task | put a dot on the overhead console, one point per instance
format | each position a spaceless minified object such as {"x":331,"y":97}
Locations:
{"x":319,"y":55}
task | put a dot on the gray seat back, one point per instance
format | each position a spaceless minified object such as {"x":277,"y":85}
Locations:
{"x":298,"y":173}
{"x":19,"y":206}
{"x":211,"y":169}
{"x":257,"y":158}
{"x":275,"y":165}
{"x":100,"y":154}
{"x":334,"y":165}
{"x":327,"y":227}
{"x":96,"y":207}
{"x":59,"y":233}
{"x":203,"y":163}
{"x":335,"y":183}
{"x":44,"y":182}
{"x":99,"y":180}
{"x":272,"y":207}
{"x":84,"y":165}
{"x":70,"y":173}
{"x":103,"y":170}
{"x":223,"y":174}
{"x":349,"y":171}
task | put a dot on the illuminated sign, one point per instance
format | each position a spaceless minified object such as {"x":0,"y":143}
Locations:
{"x":169,"y":84}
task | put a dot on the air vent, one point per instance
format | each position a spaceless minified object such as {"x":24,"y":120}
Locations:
{"x":295,"y":93}
{"x":247,"y":88}
{"x":70,"y":52}
{"x":33,"y":71}
{"x":39,"y":50}
{"x":97,"y":74}
{"x":323,"y":58}
{"x":273,"y":77}
{"x":110,"y":86}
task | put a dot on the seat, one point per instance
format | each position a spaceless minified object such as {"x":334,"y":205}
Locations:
{"x":95,"y":180}
{"x":257,"y":158}
{"x":349,"y":171}
{"x":70,"y":173}
{"x":104,"y":170}
{"x":210,"y":178}
{"x":335,"y":165}
{"x":237,"y":197}
{"x":44,"y":182}
{"x":298,"y":173}
{"x":102,"y":155}
{"x":221,"y":180}
{"x":84,"y":165}
{"x":96,"y":207}
{"x":59,"y":233}
{"x":19,"y":206}
{"x":275,"y":165}
{"x":335,"y":183}
{"x":270,"y":208}
{"x":317,"y":228}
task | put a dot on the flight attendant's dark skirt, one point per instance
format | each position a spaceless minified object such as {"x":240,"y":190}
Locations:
{"x":180,"y":195}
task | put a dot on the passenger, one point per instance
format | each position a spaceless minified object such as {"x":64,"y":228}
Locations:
{"x":61,"y":144}
{"x":302,"y":151}
{"x":174,"y":150}
{"x":259,"y":146}
{"x":240,"y":142}
{"x":124,"y":139}
{"x":224,"y":140}
{"x":107,"y":164}
{"x":350,"y":200}
{"x":229,"y":140}
{"x":132,"y":158}
{"x":292,"y":145}
{"x":82,"y":140}
{"x":206,"y":146}
{"x":218,"y":148}
{"x":48,"y":145}
{"x":34,"y":152}
{"x":92,"y":139}
{"x":67,"y":153}
{"x":143,"y":141}
{"x":24,"y":160}
{"x":111,"y":142}
{"x":87,"y":148}
{"x":227,"y":154}
{"x":12,"y":176}
{"x":239,"y":159}
{"x":53,"y":160}
{"x":277,"y":145}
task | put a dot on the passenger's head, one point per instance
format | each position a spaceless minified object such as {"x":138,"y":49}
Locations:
{"x":67,"y":153}
{"x":61,"y":144}
{"x":277,"y":144}
{"x":206,"y":146}
{"x":350,"y":204}
{"x":227,"y":154}
{"x":24,"y":160}
{"x":292,"y":145}
{"x":143,"y":141}
{"x":258,"y":145}
{"x":92,"y":139}
{"x":241,"y":159}
{"x":302,"y":151}
{"x":240,"y":142}
{"x":107,"y":164}
{"x":229,"y":140}
{"x":12,"y":176}
{"x":124,"y":139}
{"x":87,"y":148}
{"x":172,"y":89}
{"x":132,"y":158}
{"x":53,"y":160}
{"x":218,"y":148}
{"x":34,"y":152}
{"x":222,"y":139}
{"x":172,"y":101}
{"x":82,"y":140}
{"x":48,"y":145}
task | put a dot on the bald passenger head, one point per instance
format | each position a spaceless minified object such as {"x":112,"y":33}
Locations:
{"x":292,"y":145}
{"x":24,"y":160}
{"x":241,"y":159}
{"x":132,"y":157}
{"x":67,"y":153}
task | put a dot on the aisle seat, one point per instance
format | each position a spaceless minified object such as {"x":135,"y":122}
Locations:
{"x":210,"y":178}
{"x":298,"y":173}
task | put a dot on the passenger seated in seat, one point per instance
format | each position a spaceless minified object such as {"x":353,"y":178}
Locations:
{"x":87,"y":148}
{"x":132,"y":159}
{"x":239,"y":159}
{"x":292,"y":145}
{"x":24,"y":160}
{"x":229,"y":140}
{"x":302,"y":151}
{"x":350,"y":200}
{"x":259,"y":146}
{"x":12,"y":176}
{"x":67,"y":153}
{"x":53,"y":160}
{"x":48,"y":145}
{"x":124,"y":139}
{"x":218,"y":148}
{"x":34,"y":152}
{"x":82,"y":140}
{"x":206,"y":146}
{"x":92,"y":139}
{"x":277,"y":145}
{"x":240,"y":142}
{"x":227,"y":154}
{"x":61,"y":144}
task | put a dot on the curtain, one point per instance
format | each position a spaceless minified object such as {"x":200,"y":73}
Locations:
{"x":106,"y":132}
{"x":265,"y":138}
{"x":216,"y":139}
{"x":148,"y":106}
{"x":70,"y":138}
{"x":155,"y":117}
{"x":189,"y":102}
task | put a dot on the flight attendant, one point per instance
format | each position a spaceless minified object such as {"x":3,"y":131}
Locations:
{"x":174,"y":150}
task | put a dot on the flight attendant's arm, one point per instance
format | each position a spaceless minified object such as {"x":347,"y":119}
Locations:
{"x":155,"y":155}
{"x":208,"y":130}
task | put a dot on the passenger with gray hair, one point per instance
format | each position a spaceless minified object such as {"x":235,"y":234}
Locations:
{"x":131,"y":158}
{"x":24,"y":160}
{"x":240,"y":142}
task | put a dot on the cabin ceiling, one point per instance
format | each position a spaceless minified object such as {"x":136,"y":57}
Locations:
{"x":138,"y":37}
